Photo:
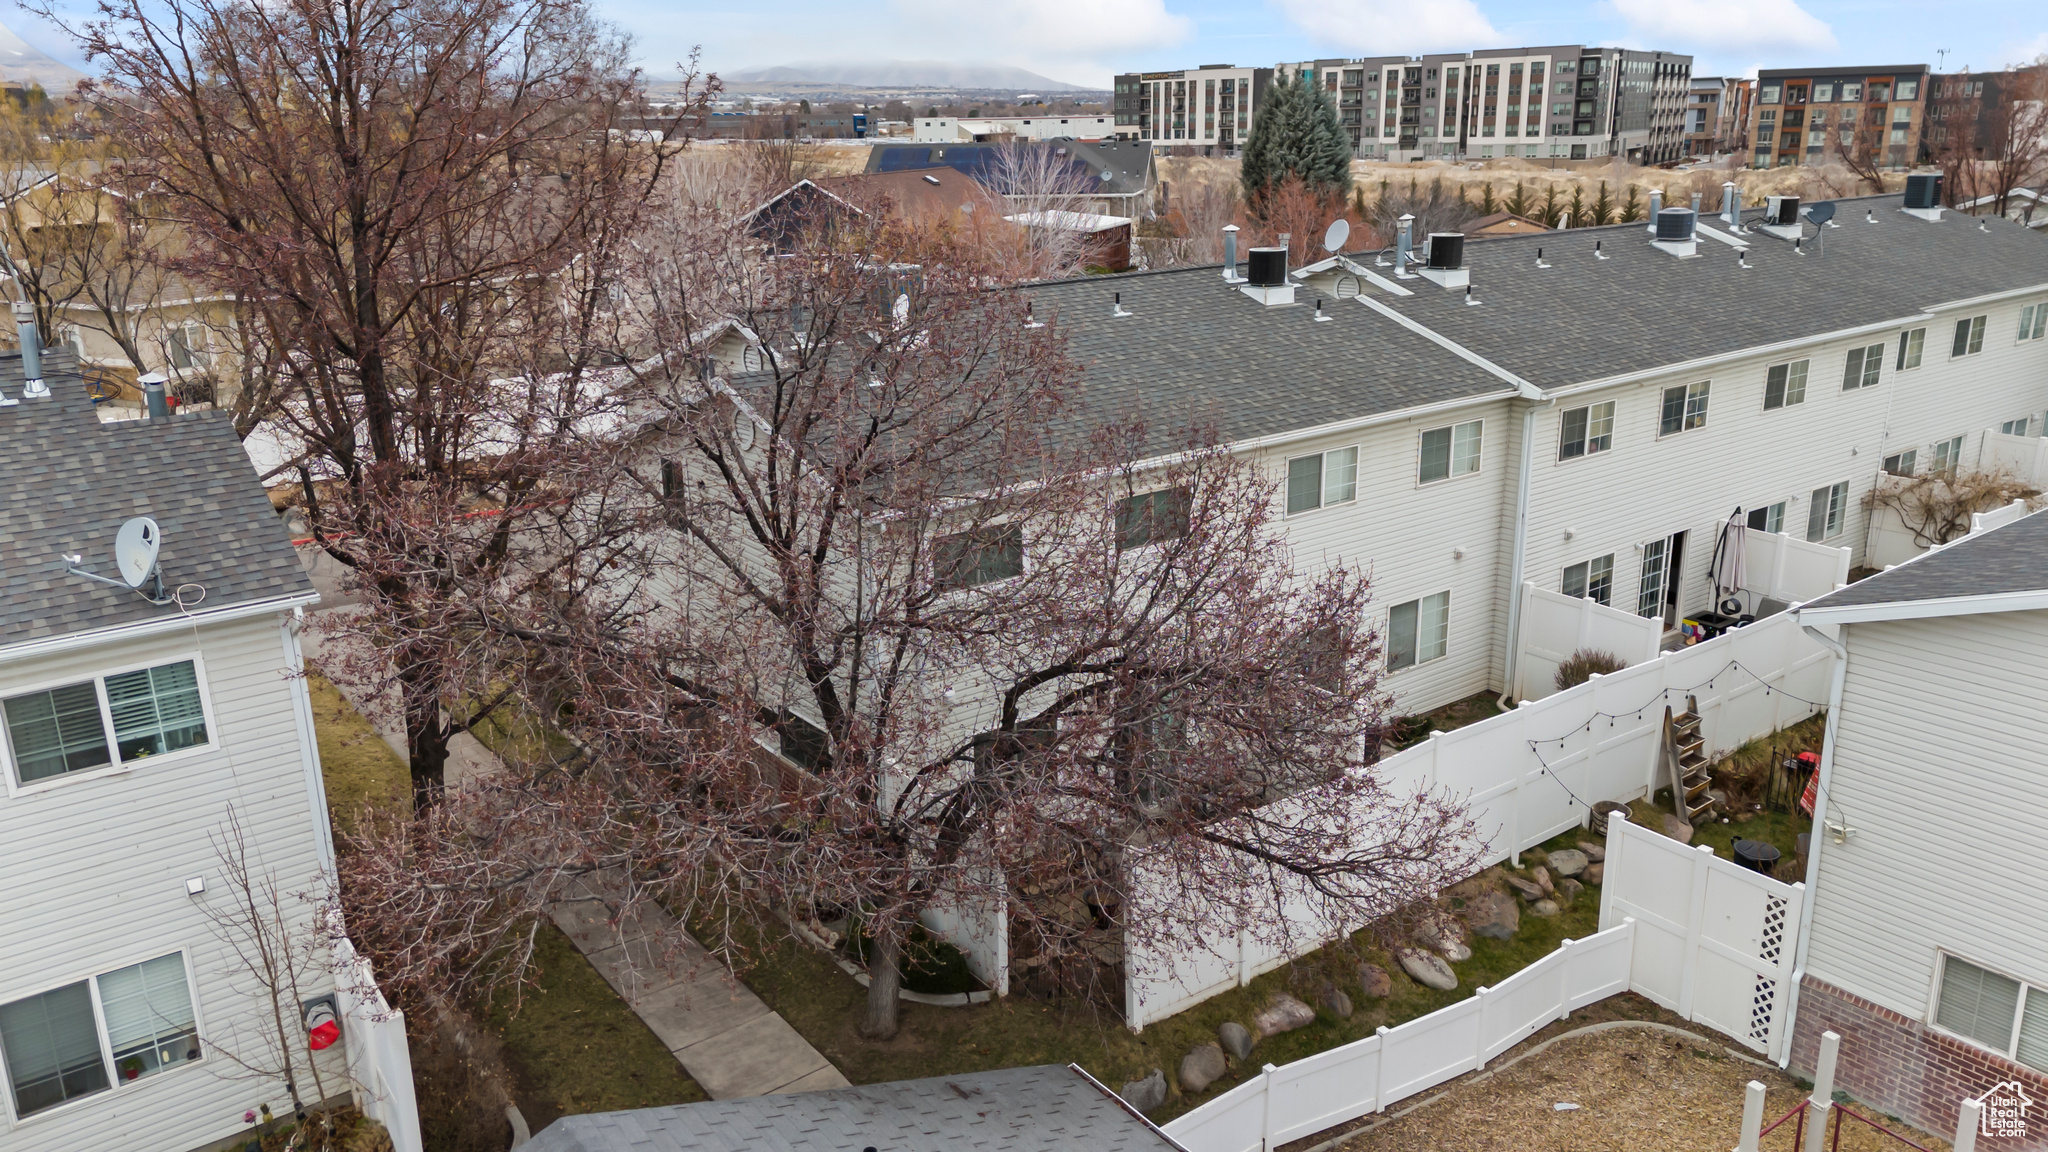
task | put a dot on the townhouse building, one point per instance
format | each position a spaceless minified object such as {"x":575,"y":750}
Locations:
{"x":1805,"y":115}
{"x":1583,"y":411}
{"x":138,"y":716}
{"x":1717,"y":115}
{"x":1210,"y":107}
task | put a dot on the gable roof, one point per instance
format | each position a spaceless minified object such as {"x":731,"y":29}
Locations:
{"x":2004,"y":569}
{"x":1128,"y":162}
{"x":67,"y":482}
{"x":1047,"y":1108}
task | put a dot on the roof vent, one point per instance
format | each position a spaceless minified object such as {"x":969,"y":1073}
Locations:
{"x":1445,"y":265}
{"x":1923,"y":195}
{"x":1268,"y":282}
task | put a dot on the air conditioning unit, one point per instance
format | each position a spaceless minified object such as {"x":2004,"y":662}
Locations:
{"x":1782,"y":211}
{"x":1923,"y":190}
{"x":1675,"y":224}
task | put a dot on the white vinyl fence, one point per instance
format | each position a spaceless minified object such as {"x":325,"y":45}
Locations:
{"x":1713,"y":940}
{"x":1686,"y":920}
{"x":2023,"y":456}
{"x":1555,"y":625}
{"x":1792,"y":571}
{"x":373,"y":1033}
{"x":1532,"y":773}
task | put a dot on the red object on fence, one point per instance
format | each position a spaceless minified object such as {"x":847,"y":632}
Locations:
{"x":1812,"y":793}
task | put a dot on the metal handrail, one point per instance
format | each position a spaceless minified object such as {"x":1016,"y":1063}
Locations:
{"x":1835,"y":1138}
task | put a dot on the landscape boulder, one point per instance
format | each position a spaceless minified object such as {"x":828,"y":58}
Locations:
{"x":1568,"y":863}
{"x":1375,"y":981}
{"x":1236,"y":1039}
{"x":1442,"y":933}
{"x":1594,"y":852}
{"x":1677,"y":829}
{"x":1541,"y":875}
{"x":1568,"y":891}
{"x":1335,"y":1002}
{"x":1526,"y":889}
{"x":1148,"y":1094}
{"x":1594,"y":872}
{"x":1282,"y":1013}
{"x":1428,"y":969}
{"x":1543,"y":908}
{"x":1201,"y":1067}
{"x":1494,"y":915}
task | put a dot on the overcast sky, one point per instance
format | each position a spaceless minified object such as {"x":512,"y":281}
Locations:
{"x":1088,"y":41}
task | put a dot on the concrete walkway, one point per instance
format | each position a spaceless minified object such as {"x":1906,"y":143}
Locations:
{"x":731,"y":1043}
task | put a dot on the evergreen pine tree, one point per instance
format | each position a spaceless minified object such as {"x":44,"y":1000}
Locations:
{"x":1550,"y":206}
{"x":1487,"y":204}
{"x":1518,"y":202}
{"x":1296,"y":132}
{"x":1631,"y":208}
{"x":1603,"y":207}
{"x":1578,"y":207}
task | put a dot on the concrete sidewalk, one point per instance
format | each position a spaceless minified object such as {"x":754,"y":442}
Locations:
{"x":729,"y":1042}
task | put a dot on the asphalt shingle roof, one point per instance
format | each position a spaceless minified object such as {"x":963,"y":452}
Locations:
{"x":2012,"y":558}
{"x":1197,"y":349}
{"x":67,"y":482}
{"x":1047,"y":1108}
{"x":1586,"y":319}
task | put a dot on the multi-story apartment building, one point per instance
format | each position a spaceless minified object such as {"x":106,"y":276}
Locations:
{"x":1564,"y":101}
{"x":1717,"y":115}
{"x":1965,"y":107}
{"x":1804,"y":115}
{"x":1210,"y":107}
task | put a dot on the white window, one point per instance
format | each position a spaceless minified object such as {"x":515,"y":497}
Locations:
{"x":1910,"y":344}
{"x":2016,"y":427}
{"x":1903,"y":463}
{"x":1585,"y":431}
{"x":1785,"y":385}
{"x":1450,"y":451}
{"x":1946,"y":455}
{"x":1152,"y":517}
{"x":2034,"y":321}
{"x":1824,"y":516}
{"x":1685,"y":408}
{"x":188,"y":346}
{"x":1769,"y":518}
{"x":1969,"y":337}
{"x":1418,"y":631}
{"x":1323,"y":478}
{"x":2008,"y":1016}
{"x":79,"y":727}
{"x":978,"y":556}
{"x":1862,"y":367}
{"x":56,"y":1049}
{"x":1590,"y":579}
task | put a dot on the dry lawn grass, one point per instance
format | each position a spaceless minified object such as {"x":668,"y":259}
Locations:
{"x":1635,"y":1089}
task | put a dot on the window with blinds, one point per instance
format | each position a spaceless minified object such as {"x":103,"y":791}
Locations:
{"x":150,"y":1025}
{"x":156,"y":710}
{"x":130,"y":715}
{"x":2008,"y":1016}
{"x":52,"y":1048}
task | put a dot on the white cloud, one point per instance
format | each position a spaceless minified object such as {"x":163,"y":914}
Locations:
{"x":1732,"y":25}
{"x":1036,"y":29}
{"x":1386,"y":27}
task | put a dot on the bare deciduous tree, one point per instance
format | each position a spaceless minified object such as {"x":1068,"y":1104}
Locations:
{"x":1936,"y":506}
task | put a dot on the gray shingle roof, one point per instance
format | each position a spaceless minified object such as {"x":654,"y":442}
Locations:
{"x":1195,"y":348}
{"x":2013,"y":558}
{"x":1585,"y":319}
{"x":67,"y":482}
{"x":1047,"y":1108}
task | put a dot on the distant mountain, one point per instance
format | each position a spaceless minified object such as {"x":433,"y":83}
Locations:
{"x":905,"y":74}
{"x":22,"y":61}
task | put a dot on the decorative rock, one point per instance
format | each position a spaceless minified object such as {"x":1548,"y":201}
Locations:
{"x":1568,"y":862}
{"x":1542,"y":877}
{"x":1594,"y":852}
{"x":1593,"y":873}
{"x":1335,"y":1002}
{"x":1378,"y":984}
{"x":1236,"y":1038}
{"x":1148,"y":1094}
{"x":1543,"y":908}
{"x":1568,"y":891}
{"x":1444,"y":934}
{"x":1525,"y":889}
{"x":1282,"y":1013}
{"x":1428,"y":969}
{"x":1677,"y":829}
{"x":1201,"y":1067}
{"x":1494,"y":915}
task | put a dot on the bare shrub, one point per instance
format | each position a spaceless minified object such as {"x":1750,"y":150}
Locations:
{"x":1936,"y":506}
{"x":1580,"y":666}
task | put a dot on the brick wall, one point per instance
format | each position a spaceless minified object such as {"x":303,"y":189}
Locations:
{"x":1902,"y":1067}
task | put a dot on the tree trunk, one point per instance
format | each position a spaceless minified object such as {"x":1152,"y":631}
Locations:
{"x":426,"y":738}
{"x":885,"y":980}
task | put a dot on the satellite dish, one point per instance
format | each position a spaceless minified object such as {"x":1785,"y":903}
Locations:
{"x":1822,"y":212}
{"x":1334,"y":238}
{"x":135,"y":548}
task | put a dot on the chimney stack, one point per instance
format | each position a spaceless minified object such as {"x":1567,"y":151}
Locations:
{"x":153,"y":394}
{"x":32,"y":387}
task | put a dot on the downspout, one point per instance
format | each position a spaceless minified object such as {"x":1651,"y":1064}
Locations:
{"x":1819,"y":836}
{"x":1518,"y":552}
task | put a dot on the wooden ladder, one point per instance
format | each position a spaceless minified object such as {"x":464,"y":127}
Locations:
{"x":1685,"y":755}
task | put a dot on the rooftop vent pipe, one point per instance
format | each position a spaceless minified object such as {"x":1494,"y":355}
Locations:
{"x":1403,"y":245}
{"x":1731,"y":205}
{"x":153,"y":395}
{"x":1230,"y":254}
{"x":1656,"y":206}
{"x":1695,"y":205}
{"x":32,"y":387}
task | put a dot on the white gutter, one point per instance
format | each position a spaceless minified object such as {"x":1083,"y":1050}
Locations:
{"x":1519,"y":553}
{"x":73,"y":641}
{"x":1989,"y":298}
{"x":2024,"y":601}
{"x":1817,"y":836}
{"x":1694,"y":365}
{"x":309,"y":741}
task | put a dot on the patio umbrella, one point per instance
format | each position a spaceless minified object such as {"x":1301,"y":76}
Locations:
{"x":1729,"y":552}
